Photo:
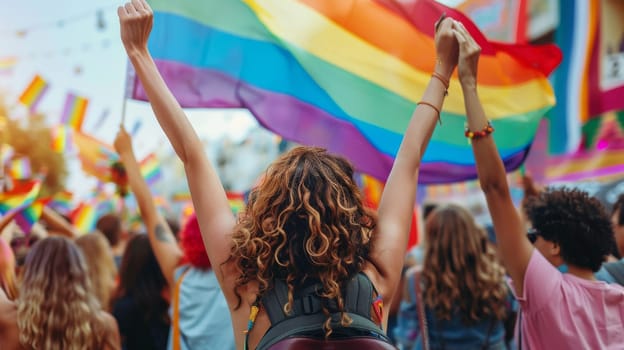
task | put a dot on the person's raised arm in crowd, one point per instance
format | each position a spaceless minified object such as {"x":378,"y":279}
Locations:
{"x":399,"y":195}
{"x":164,"y":244}
{"x":513,"y":245}
{"x":215,"y":217}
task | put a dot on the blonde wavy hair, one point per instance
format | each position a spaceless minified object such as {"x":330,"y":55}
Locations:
{"x":101,"y":265}
{"x":461,"y":271}
{"x":7,"y":270}
{"x":56,"y":308}
{"x":305,"y":221}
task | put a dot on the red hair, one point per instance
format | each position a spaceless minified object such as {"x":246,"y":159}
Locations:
{"x":193,"y":245}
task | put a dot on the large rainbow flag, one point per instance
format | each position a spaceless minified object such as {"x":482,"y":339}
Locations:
{"x":20,"y":196}
{"x":346,"y":75}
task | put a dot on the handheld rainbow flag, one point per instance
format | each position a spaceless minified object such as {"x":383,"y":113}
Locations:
{"x":61,"y":138}
{"x":7,"y":64}
{"x":28,"y":216}
{"x":31,"y":97}
{"x":150,"y":169}
{"x":6,"y":153}
{"x":20,"y":168}
{"x":62,"y":202}
{"x":74,"y":111}
{"x":21,"y":195}
{"x":96,"y":156}
{"x":84,"y":217}
{"x":346,"y":75}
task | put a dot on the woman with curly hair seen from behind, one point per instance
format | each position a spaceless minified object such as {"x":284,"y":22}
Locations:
{"x":460,"y":291}
{"x":56,"y":308}
{"x":306,"y":257}
{"x":557,"y":310}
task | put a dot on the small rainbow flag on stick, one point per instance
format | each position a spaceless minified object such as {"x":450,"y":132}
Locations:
{"x":7,"y":64}
{"x":62,"y":202}
{"x":83,"y":217}
{"x":34,"y":93}
{"x":74,"y":111}
{"x":60,"y":138}
{"x":20,"y":168}
{"x":6,"y":153}
{"x":28,"y":216}
{"x":150,"y":169}
{"x":21,"y":195}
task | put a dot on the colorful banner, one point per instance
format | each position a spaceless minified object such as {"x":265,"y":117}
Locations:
{"x":27,"y":217}
{"x":320,"y":72}
{"x":606,"y":76}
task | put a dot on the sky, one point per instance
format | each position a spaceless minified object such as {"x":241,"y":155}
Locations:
{"x":75,"y":46}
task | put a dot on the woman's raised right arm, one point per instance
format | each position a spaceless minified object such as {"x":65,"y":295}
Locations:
{"x":213,"y":211}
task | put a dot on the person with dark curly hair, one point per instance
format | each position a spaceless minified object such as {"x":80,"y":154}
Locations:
{"x":306,"y":257}
{"x":613,"y":271}
{"x":558,"y":310}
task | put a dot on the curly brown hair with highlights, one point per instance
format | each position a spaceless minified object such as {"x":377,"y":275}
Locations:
{"x":461,"y":272}
{"x":306,"y":221}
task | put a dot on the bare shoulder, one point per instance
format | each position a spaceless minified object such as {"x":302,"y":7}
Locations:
{"x":109,"y":331}
{"x":9,"y":332}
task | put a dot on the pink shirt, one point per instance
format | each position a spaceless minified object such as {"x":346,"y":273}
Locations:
{"x":562,"y":311}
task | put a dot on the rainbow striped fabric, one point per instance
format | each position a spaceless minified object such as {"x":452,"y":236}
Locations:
{"x":31,"y":97}
{"x":62,"y":202}
{"x":74,"y":111}
{"x":20,"y":168}
{"x":346,"y":75}
{"x":7,"y":64}
{"x":84,"y":217}
{"x":236,"y":200}
{"x":61,"y":138}
{"x":150,"y":169}
{"x":28,"y":216}
{"x":20,"y":196}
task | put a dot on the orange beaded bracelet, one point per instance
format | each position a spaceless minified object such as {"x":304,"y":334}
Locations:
{"x":475,"y":135}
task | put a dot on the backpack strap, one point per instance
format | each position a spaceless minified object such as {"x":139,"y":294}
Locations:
{"x":175,"y":324}
{"x":307,"y":315}
{"x":616,"y":269}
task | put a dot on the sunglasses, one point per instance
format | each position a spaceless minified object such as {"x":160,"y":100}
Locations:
{"x":532,"y":235}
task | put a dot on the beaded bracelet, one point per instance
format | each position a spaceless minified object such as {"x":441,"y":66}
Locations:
{"x":434,"y":108}
{"x":475,"y":135}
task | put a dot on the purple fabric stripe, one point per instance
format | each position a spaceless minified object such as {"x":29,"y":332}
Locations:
{"x":296,"y":121}
{"x":35,"y":104}
{"x":67,"y":108}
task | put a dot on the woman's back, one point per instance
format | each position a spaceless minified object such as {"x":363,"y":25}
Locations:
{"x":9,"y":333}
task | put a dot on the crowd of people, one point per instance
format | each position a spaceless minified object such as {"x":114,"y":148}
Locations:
{"x":306,"y":265}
